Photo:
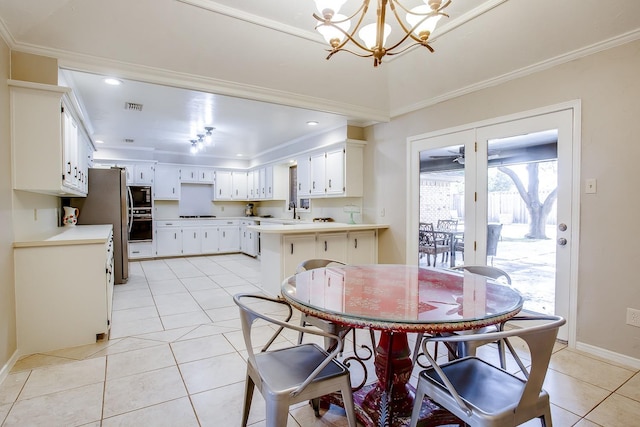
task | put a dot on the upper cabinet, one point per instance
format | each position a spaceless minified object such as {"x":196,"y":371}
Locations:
{"x":197,"y":175}
{"x":51,"y":150}
{"x":334,"y":172}
{"x":268,"y":183}
{"x":167,"y":182}
{"x":139,"y":173}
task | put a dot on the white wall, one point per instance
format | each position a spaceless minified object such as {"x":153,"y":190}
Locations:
{"x":608,"y":85}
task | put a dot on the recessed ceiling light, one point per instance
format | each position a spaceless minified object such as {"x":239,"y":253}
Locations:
{"x":239,"y":154}
{"x":112,"y":81}
{"x":99,"y":141}
{"x":312,"y":123}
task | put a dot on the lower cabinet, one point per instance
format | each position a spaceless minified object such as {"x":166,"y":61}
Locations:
{"x":66,"y":300}
{"x":229,"y":238}
{"x":177,"y":238}
{"x":282,"y":253}
{"x":140,"y":250}
{"x":248,"y":239}
{"x":191,"y":241}
{"x":168,"y":240}
{"x":210,"y":241}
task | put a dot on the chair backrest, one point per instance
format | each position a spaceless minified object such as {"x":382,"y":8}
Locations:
{"x":425,"y":233}
{"x":249,"y":314}
{"x":447,"y":224}
{"x":312,"y":264}
{"x":540,"y":339}
{"x":485,"y":270}
{"x":493,"y":235}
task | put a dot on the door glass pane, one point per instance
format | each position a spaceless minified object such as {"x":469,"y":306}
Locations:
{"x":441,"y":206}
{"x":521,"y":214}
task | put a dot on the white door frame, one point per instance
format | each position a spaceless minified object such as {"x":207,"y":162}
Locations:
{"x":415,"y":144}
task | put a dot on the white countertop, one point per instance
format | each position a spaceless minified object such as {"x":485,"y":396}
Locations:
{"x":313,"y":227}
{"x":71,"y":235}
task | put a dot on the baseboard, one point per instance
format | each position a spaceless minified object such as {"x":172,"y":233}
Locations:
{"x":4,"y":371}
{"x":609,"y":355}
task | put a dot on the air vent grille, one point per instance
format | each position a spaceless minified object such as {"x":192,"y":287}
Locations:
{"x":128,"y":140}
{"x":132,"y":106}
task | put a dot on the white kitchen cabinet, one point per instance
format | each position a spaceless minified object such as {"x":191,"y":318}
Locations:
{"x":191,"y":241}
{"x":239,"y":185}
{"x":223,"y":186}
{"x":304,"y":177}
{"x":139,"y":250}
{"x":229,"y":238}
{"x":45,"y":145}
{"x":66,"y":301}
{"x":167,"y":182}
{"x":142,"y":173}
{"x":251,"y":185}
{"x":295,"y":249}
{"x":332,"y":246}
{"x":168,"y":239}
{"x":337,"y":171}
{"x":362,"y":247}
{"x":248,"y":239}
{"x":197,"y":175}
{"x":209,"y":239}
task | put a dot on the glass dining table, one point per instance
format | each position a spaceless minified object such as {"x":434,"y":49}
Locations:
{"x":396,"y":300}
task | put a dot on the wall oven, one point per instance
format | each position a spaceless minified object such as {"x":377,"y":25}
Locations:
{"x":140,"y":214}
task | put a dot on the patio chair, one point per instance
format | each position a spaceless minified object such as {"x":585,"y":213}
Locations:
{"x":483,"y":395}
{"x":326,"y":325}
{"x":448,"y":225}
{"x":428,"y":244}
{"x":468,"y":348}
{"x":290,"y":375}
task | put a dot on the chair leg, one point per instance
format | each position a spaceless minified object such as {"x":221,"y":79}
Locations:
{"x":545,"y":419}
{"x":303,"y":323}
{"x":347,"y":399}
{"x":249,"y":386}
{"x":315,"y":404}
{"x":416,"y":349}
{"x":277,"y":412}
{"x":417,"y":405}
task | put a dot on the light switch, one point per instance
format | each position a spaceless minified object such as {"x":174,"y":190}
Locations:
{"x":590,"y":186}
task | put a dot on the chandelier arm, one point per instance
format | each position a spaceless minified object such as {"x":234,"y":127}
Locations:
{"x":348,"y":38}
{"x":428,"y":46}
{"x":369,"y":55}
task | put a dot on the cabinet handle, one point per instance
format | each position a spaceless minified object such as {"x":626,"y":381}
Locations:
{"x":325,"y":246}
{"x":194,"y":235}
{"x":140,"y":175}
{"x":356,"y":244}
{"x":299,"y":186}
{"x":205,"y":234}
{"x":69,"y":166}
{"x":269,"y":190}
{"x":175,"y":236}
{"x":292,"y":249}
{"x":329,"y":183}
{"x":75,"y":172}
{"x":314,"y":185}
{"x":224,"y":234}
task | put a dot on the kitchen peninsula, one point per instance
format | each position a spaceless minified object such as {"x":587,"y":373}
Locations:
{"x":283,"y":247}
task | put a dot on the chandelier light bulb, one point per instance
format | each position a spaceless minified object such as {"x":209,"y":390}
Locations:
{"x":208,"y":139}
{"x":329,"y":8}
{"x":369,"y":35}
{"x":194,"y":148}
{"x":422,"y":25}
{"x":331,"y":34}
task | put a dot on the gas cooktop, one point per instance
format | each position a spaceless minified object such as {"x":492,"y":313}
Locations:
{"x":197,"y":216}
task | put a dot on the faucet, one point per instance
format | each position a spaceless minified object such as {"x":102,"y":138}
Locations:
{"x":292,"y":205}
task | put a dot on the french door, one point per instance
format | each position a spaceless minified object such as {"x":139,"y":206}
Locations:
{"x":513,"y":185}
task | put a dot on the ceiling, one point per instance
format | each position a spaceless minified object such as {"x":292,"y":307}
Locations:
{"x":255,"y":69}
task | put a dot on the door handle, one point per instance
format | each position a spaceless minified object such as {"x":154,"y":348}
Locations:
{"x":562,"y":241}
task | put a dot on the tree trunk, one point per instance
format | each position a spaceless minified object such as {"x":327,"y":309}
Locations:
{"x":538,"y":211}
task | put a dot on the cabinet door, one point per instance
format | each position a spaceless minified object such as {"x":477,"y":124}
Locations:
{"x":191,"y":241}
{"x":304,"y":177}
{"x":268,"y":182}
{"x":209,"y":240}
{"x":239,"y":186}
{"x":251,"y":243}
{"x":332,"y":246}
{"x":188,"y":174}
{"x":262,"y":177}
{"x":205,"y":175}
{"x":167,"y":183}
{"x":70,"y":149}
{"x":144,"y":173}
{"x":297,"y":249}
{"x":362,"y":247}
{"x":223,"y":185}
{"x":334,"y":169}
{"x":168,"y":241}
{"x":318,"y":175}
{"x":229,"y":238}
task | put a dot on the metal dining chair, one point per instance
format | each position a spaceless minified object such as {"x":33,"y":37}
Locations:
{"x":293,"y":374}
{"x":468,"y":348}
{"x":483,"y":395}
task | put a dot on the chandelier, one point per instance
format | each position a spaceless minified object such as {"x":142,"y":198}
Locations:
{"x":420,"y":23}
{"x":204,"y":140}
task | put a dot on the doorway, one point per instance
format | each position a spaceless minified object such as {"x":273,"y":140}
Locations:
{"x":512,"y":185}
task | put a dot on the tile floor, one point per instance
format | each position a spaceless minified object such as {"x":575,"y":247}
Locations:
{"x":176,"y":358}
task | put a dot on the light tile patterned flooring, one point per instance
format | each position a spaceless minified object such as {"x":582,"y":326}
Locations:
{"x":176,"y":358}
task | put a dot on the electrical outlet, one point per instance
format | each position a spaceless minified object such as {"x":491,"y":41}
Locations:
{"x":633,"y":317}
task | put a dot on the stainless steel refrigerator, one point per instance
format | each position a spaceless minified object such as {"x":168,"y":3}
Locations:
{"x":107,"y":203}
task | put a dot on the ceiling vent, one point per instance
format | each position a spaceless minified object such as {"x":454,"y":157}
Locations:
{"x":128,"y":140}
{"x":132,"y":106}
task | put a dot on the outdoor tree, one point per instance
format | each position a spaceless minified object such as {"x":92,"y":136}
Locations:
{"x":538,"y":210}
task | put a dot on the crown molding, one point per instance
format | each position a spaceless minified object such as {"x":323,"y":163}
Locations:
{"x":522,"y":72}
